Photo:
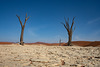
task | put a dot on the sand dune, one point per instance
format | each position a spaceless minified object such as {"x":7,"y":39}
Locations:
{"x":77,"y":43}
{"x":6,"y":43}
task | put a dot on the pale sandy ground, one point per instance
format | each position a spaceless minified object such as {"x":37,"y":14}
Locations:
{"x":49,"y":56}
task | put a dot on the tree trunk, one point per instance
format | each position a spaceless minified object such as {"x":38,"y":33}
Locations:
{"x":70,"y":39}
{"x":21,"y":37}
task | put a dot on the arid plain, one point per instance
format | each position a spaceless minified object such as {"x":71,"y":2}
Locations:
{"x":39,"y":55}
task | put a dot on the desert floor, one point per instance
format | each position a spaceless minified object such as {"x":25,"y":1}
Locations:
{"x":49,"y":56}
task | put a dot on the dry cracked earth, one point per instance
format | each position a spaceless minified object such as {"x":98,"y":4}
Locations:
{"x":49,"y":56}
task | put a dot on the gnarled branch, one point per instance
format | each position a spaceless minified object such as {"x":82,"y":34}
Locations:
{"x":19,"y":20}
{"x":67,"y":23}
{"x":26,"y":19}
{"x":65,"y":27}
{"x":72,"y":23}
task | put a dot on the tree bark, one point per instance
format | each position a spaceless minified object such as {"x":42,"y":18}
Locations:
{"x":70,"y":39}
{"x":21,"y":37}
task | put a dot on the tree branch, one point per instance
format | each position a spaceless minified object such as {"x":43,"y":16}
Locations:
{"x":26,"y":15}
{"x":72,"y":23}
{"x":26,"y":19}
{"x":19,"y":20}
{"x":65,"y":27}
{"x":74,"y":29}
{"x":67,"y":23}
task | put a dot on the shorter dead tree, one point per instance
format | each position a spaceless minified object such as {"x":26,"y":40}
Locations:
{"x":22,"y":28}
{"x":69,"y":29}
{"x":60,"y":42}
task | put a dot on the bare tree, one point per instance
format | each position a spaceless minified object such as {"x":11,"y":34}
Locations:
{"x":22,"y":28}
{"x":60,"y":42}
{"x":69,"y":29}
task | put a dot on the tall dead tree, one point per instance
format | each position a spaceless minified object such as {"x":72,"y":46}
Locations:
{"x":69,"y":29}
{"x":22,"y":28}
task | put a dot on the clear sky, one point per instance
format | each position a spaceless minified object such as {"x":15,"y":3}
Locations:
{"x":44,"y":24}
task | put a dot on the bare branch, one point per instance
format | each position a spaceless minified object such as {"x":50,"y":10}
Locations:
{"x":67,"y":23}
{"x":74,"y":29}
{"x":65,"y":27}
{"x":72,"y":23}
{"x":26,"y":20}
{"x":19,"y":20}
{"x":26,"y":16}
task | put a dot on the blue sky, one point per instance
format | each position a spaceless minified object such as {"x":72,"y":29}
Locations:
{"x":44,"y":24}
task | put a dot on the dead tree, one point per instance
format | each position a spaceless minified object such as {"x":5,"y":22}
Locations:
{"x":69,"y":29}
{"x":60,"y":42}
{"x":22,"y":28}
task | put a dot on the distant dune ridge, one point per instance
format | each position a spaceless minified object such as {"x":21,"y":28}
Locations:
{"x":6,"y":43}
{"x":77,"y":43}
